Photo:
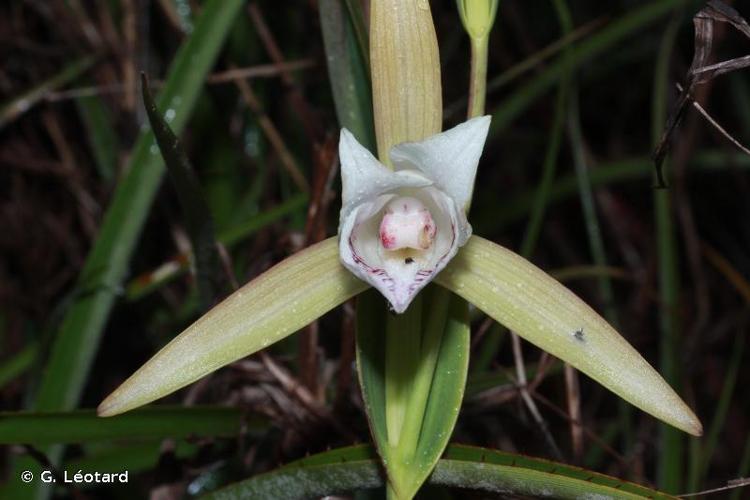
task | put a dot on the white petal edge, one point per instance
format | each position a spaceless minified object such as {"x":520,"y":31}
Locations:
{"x":449,"y":159}
{"x":363,"y":177}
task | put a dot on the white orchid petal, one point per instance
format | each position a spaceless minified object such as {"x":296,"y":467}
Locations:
{"x":449,"y":159}
{"x":363,"y":177}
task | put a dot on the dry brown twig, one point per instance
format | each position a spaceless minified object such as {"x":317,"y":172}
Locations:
{"x":701,"y":72}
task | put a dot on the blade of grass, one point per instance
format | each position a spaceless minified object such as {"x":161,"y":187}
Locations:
{"x":357,"y":19}
{"x":83,"y":426}
{"x":100,"y":132}
{"x":671,"y":456}
{"x":478,"y":469}
{"x":515,"y":104}
{"x":347,"y":70}
{"x":78,"y":337}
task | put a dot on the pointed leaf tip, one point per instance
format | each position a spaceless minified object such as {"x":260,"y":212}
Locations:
{"x":522,"y":297}
{"x":275,"y":304}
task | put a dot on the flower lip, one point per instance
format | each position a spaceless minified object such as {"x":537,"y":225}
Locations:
{"x":406,"y":224}
{"x":398,"y":229}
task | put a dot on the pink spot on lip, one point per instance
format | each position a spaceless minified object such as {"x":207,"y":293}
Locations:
{"x":387,"y":240}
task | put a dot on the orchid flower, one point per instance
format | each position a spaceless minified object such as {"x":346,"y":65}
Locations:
{"x":400,"y":228}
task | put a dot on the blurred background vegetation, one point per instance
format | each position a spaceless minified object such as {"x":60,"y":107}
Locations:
{"x":579,"y":92}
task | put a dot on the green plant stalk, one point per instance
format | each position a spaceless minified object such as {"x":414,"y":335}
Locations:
{"x":402,"y":340}
{"x":477,"y":100}
{"x":478,"y":76}
{"x":671,"y":446}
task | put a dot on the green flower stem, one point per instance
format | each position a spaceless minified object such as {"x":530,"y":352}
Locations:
{"x":478,"y":78}
{"x":402,"y":354}
{"x":432,"y":337}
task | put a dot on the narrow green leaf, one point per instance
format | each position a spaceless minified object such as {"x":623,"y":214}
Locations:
{"x":81,"y":426}
{"x":275,"y":304}
{"x":356,"y":468}
{"x":200,"y":224}
{"x":347,"y":69}
{"x":447,"y":383}
{"x":412,"y":380}
{"x":101,"y":134}
{"x":403,"y":336}
{"x":528,"y":301}
{"x":670,"y":462}
{"x":370,"y":345}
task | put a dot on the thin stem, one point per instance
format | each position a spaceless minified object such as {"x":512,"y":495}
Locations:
{"x":478,"y":77}
{"x":671,"y":459}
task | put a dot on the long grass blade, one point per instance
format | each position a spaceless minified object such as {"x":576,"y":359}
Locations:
{"x":83,"y":426}
{"x":478,"y":469}
{"x":672,"y":456}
